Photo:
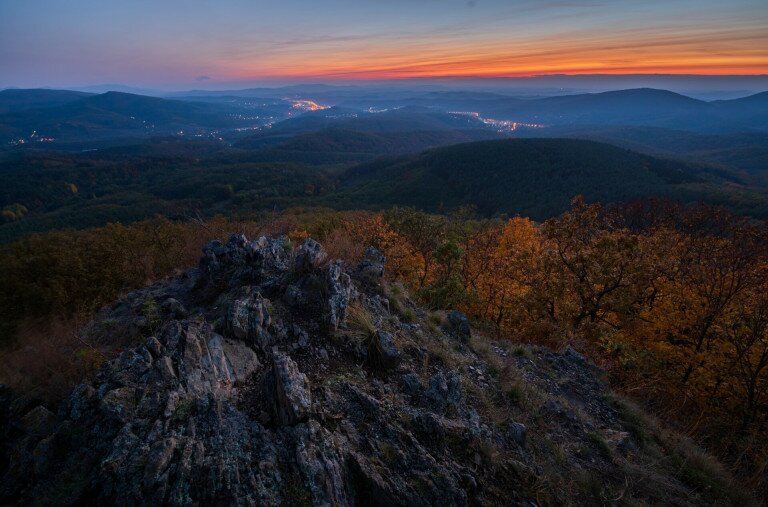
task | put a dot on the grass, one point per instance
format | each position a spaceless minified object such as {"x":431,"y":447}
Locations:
{"x":701,"y":471}
{"x":395,"y":295}
{"x":634,"y":422}
{"x":363,"y":330}
{"x":521,"y":351}
{"x":441,"y":351}
{"x":150,"y":310}
{"x":515,"y":394}
{"x":408,"y":316}
{"x":360,"y":324}
{"x":598,"y":441}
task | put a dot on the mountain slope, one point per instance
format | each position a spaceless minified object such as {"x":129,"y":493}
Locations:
{"x":531,"y":177}
{"x":746,"y":151}
{"x":271,"y":377}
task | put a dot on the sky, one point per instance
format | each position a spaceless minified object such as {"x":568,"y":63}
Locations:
{"x":206,"y":43}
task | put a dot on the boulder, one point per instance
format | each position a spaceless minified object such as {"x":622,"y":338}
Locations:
{"x":309,"y":256}
{"x":460,"y":325}
{"x":383,"y":353}
{"x":444,"y":391}
{"x":517,"y":432}
{"x":371,"y":268}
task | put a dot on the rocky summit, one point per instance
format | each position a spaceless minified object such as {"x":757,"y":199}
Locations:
{"x":272,"y":375}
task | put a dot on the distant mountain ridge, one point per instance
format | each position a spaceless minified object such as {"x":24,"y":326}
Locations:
{"x":13,"y":100}
{"x":67,"y":115}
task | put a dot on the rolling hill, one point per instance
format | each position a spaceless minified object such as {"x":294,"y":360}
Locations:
{"x":745,"y":152}
{"x":115,"y":114}
{"x":338,"y":140}
{"x":530,"y":177}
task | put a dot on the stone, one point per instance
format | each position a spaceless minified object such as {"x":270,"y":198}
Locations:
{"x":339,"y":290}
{"x":517,"y":432}
{"x":248,"y":317}
{"x":213,"y":410}
{"x":309,"y":256}
{"x":39,"y":421}
{"x":411,"y":384}
{"x":293,"y":400}
{"x":371,"y":268}
{"x":386,"y":354}
{"x":460,"y":325}
{"x":444,"y":391}
{"x":173,"y":308}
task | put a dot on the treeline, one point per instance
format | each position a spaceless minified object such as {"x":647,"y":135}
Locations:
{"x":672,"y":301}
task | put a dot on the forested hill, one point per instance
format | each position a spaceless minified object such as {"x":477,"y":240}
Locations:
{"x":531,"y":177}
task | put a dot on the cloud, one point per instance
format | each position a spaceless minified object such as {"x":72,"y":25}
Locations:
{"x":203,"y":78}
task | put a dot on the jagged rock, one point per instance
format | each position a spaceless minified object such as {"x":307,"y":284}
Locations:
{"x":460,"y":325}
{"x":371,"y":268}
{"x":339,"y":289}
{"x":411,"y":384}
{"x":293,"y":401}
{"x":444,"y":391}
{"x":383,"y":353}
{"x":239,"y":262}
{"x":173,"y":308}
{"x":517,"y":432}
{"x":248,"y":317}
{"x":309,"y":256}
{"x":39,"y":421}
{"x":268,"y":254}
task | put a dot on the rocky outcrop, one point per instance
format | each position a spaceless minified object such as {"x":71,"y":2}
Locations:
{"x":252,"y":390}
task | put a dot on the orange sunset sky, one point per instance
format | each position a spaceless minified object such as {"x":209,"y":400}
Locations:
{"x":50,"y":42}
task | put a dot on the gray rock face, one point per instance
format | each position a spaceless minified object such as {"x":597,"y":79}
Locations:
{"x":444,"y":391}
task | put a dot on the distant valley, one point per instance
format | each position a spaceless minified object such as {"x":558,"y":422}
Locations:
{"x":75,"y":159}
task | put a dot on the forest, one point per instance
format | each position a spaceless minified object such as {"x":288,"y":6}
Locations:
{"x":179,"y":178}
